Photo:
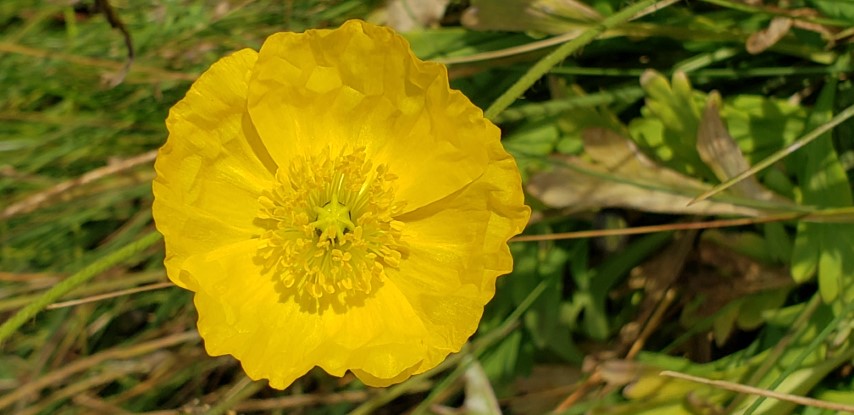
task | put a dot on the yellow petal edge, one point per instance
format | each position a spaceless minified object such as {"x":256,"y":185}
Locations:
{"x":333,"y":203}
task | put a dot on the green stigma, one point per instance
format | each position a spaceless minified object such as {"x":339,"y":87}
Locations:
{"x":333,"y":220}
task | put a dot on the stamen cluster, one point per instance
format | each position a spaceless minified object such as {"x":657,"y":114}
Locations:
{"x":330,"y":224}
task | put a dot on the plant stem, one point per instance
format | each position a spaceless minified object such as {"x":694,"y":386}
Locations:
{"x":74,"y":281}
{"x":549,"y":61}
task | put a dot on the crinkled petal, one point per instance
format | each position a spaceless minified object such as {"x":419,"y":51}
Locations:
{"x":371,"y":380}
{"x":209,"y":174}
{"x":361,"y":85}
{"x":232,"y":140}
{"x":457,"y":249}
{"x":242,"y":313}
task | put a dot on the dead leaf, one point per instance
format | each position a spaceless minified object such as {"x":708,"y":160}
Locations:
{"x":726,"y":275}
{"x":619,"y":372}
{"x":480,"y":398}
{"x":721,"y":153}
{"x":765,"y":38}
{"x":408,"y":15}
{"x":725,"y":278}
{"x":827,"y":32}
{"x":659,"y":274}
{"x":621,"y":176}
{"x":544,"y":16}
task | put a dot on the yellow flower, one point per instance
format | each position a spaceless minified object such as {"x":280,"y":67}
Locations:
{"x":332,"y":202}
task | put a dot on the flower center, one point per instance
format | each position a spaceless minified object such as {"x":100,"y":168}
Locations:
{"x":330,"y":225}
{"x":333,"y":220}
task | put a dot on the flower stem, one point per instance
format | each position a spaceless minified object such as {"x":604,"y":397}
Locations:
{"x":240,"y":392}
{"x":458,"y":361}
{"x":545,"y":64}
{"x":72,"y":282}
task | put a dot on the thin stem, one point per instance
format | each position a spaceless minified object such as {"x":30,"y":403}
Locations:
{"x":419,"y":382}
{"x":74,"y":281}
{"x":114,"y":294}
{"x":467,"y":359}
{"x":759,"y":72}
{"x":746,"y":7}
{"x":556,"y":106}
{"x":799,"y":326}
{"x":240,"y":392}
{"x":811,"y":348}
{"x":34,"y":386}
{"x":779,"y":155}
{"x":763,"y":393}
{"x":638,"y":230}
{"x":549,"y":61}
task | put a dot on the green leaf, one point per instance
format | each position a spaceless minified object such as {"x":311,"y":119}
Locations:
{"x":541,"y":320}
{"x":670,"y":121}
{"x":751,"y":313}
{"x":725,"y":321}
{"x":778,"y":243}
{"x":840,"y":9}
{"x":762,"y":125}
{"x":508,"y":359}
{"x":823,"y":249}
{"x":531,"y":142}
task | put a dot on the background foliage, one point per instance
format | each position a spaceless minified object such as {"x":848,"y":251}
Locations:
{"x":623,"y":133}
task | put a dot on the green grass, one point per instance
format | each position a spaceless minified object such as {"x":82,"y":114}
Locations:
{"x":765,"y":304}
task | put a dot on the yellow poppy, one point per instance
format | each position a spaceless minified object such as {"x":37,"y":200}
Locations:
{"x":332,"y":202}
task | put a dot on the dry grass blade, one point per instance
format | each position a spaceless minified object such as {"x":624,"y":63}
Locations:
{"x":721,"y":223}
{"x":111,"y":374}
{"x":94,"y":298}
{"x":39,"y":199}
{"x":153,"y":72}
{"x":300,"y":401}
{"x":659,"y":275}
{"x":737,"y":387}
{"x":96,"y":405}
{"x":57,"y":376}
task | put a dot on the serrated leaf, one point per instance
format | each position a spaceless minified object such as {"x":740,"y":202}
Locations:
{"x":821,"y":248}
{"x":670,"y":120}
